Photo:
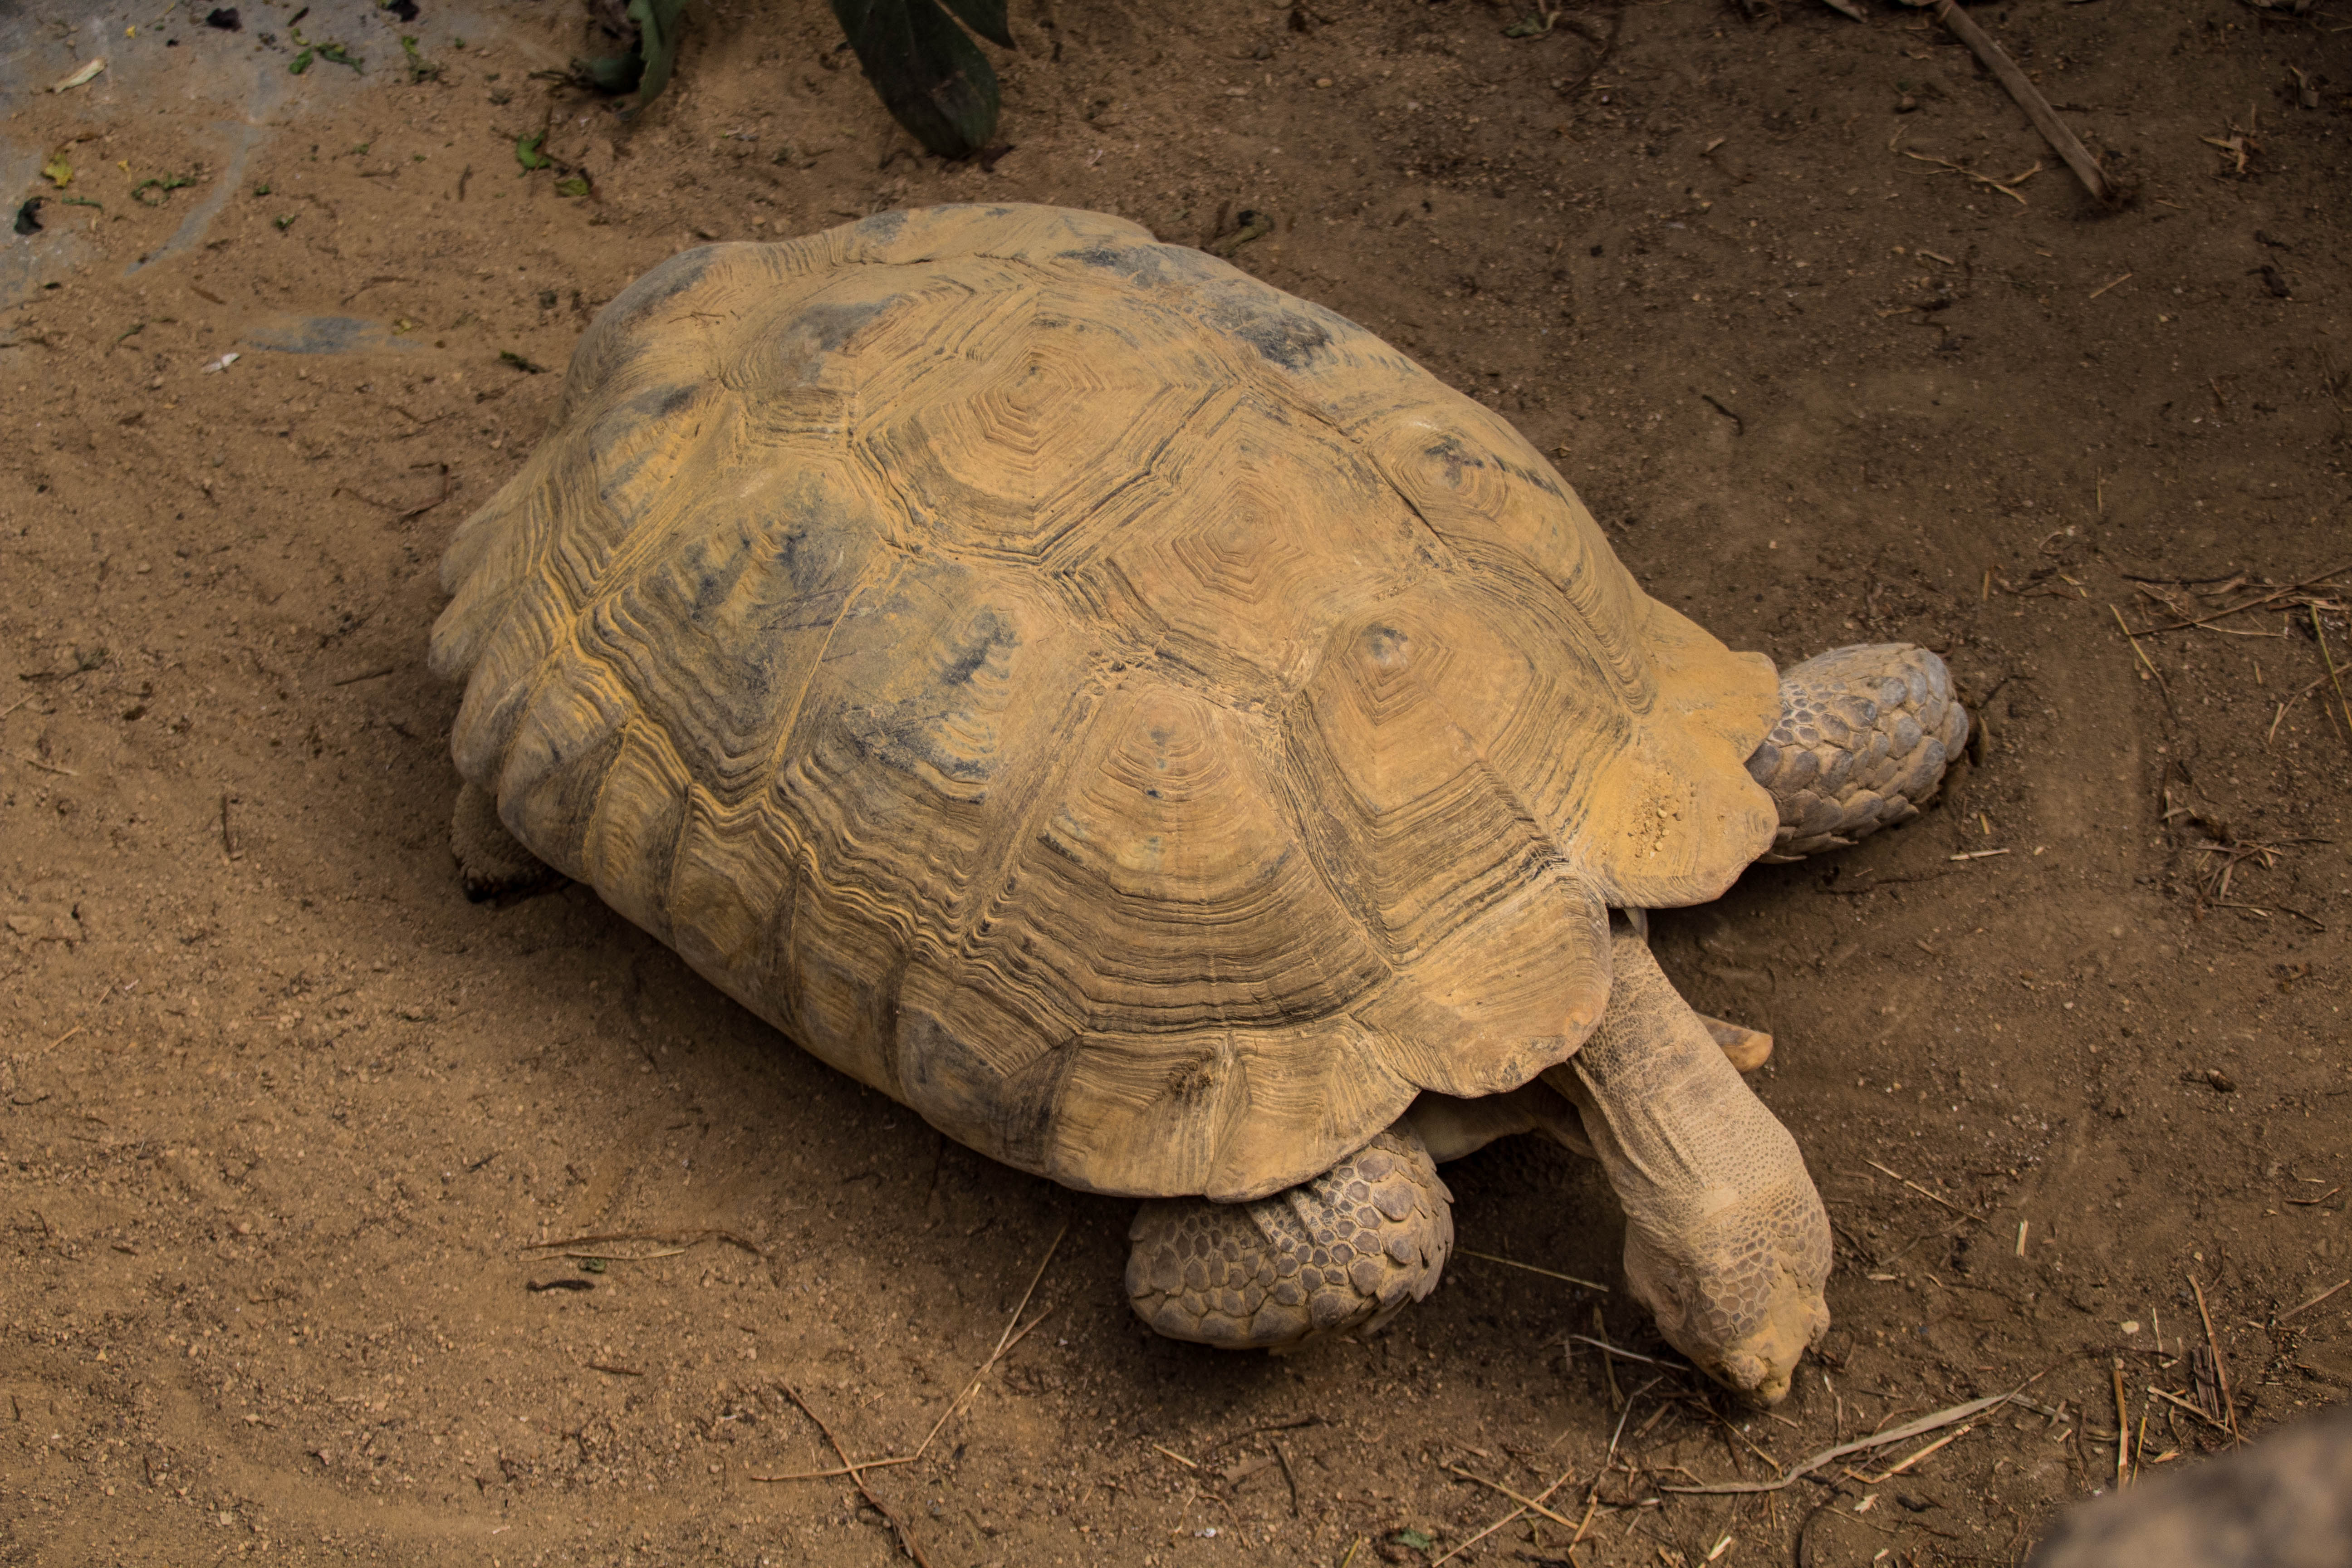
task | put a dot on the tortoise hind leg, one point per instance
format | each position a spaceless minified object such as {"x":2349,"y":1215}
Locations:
{"x":1344,"y":1250}
{"x":491,"y":862}
{"x":1864,"y":735}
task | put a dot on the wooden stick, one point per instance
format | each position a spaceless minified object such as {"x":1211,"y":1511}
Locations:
{"x":686,"y":1238}
{"x":2220,"y":1369}
{"x":2143,"y":659}
{"x":2029,"y":97}
{"x":2172,"y":1398}
{"x":1953,"y":1416}
{"x":836,"y":1470}
{"x":1619,"y":1351}
{"x":1894,"y":1470}
{"x":1514,"y":1263}
{"x":1004,"y":1341}
{"x":2329,"y":660}
{"x":1515,"y":1513}
{"x":2316,"y":1300}
{"x":2123,"y":1427}
{"x":1924,"y":1193}
{"x":2275,"y":594}
{"x":857,"y":1474}
{"x":1525,"y":1502}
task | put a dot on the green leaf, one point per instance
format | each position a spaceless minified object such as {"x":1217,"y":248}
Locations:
{"x":929,"y":75}
{"x":985,"y":17}
{"x":336,"y":54}
{"x":575,"y":187}
{"x":657,"y":29}
{"x":300,"y":63}
{"x":419,"y":68}
{"x":167,"y":184}
{"x":528,"y":153}
{"x":1414,"y":1539}
{"x":58,"y":171}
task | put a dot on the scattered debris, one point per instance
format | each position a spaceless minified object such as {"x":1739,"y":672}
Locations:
{"x":226,"y":18}
{"x":28,"y":219}
{"x":81,"y":78}
{"x":514,"y":361}
{"x":57,"y":170}
{"x":221,"y":364}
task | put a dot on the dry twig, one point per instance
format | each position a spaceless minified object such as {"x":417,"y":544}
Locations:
{"x":1514,"y":1263}
{"x":1942,"y":1418}
{"x":1931,"y":1197}
{"x":1004,"y":1341}
{"x":2315,"y":1301}
{"x":856,"y":1473}
{"x":2143,"y":659}
{"x":2029,"y":97}
{"x":1526,"y":1502}
{"x":2221,"y":1368}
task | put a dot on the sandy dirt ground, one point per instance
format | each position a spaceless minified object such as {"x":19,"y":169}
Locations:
{"x":1805,"y":309}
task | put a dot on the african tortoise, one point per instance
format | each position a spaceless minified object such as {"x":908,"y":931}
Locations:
{"x":2285,"y":1501}
{"x":1153,"y":729}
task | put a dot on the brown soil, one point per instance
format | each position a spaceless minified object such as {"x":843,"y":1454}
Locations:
{"x":282,"y":1109}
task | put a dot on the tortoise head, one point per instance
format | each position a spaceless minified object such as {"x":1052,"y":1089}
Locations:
{"x":1740,"y":1292}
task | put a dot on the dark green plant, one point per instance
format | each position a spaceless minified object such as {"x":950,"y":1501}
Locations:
{"x":932,"y":77}
{"x":929,"y":75}
{"x":644,"y":69}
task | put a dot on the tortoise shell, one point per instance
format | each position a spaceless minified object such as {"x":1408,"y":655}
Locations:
{"x":1130,"y":715}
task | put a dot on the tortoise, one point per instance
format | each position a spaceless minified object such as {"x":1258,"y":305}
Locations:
{"x":1153,"y":729}
{"x":2284,"y":1501}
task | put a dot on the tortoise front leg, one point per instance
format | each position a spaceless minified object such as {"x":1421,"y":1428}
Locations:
{"x":1346,"y":1249}
{"x":1864,"y":735}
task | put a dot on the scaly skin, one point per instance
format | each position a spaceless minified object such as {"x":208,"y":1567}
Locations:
{"x":491,"y":862}
{"x":1726,"y":1240}
{"x":1864,"y":735}
{"x":1342,"y":1251}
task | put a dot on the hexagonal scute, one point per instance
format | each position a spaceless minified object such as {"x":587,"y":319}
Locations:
{"x":1160,"y":883}
{"x":1269,"y":531}
{"x":1009,"y":446}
